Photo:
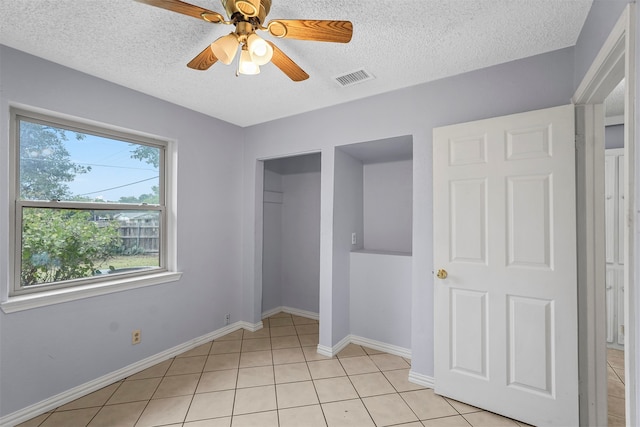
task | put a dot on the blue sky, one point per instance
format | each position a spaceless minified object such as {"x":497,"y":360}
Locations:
{"x":111,"y":166}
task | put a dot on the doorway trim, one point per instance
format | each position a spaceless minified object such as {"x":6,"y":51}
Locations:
{"x":616,"y":60}
{"x":256,"y":296}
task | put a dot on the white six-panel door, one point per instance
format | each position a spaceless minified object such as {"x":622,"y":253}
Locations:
{"x":505,"y":233}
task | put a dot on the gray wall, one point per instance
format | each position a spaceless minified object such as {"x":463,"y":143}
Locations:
{"x":380,"y":292}
{"x":528,"y":84}
{"x":347,"y":219}
{"x":301,"y":241}
{"x":614,"y":136}
{"x":602,"y":17}
{"x":49,"y":350}
{"x":272,"y":245}
{"x":388,"y":204}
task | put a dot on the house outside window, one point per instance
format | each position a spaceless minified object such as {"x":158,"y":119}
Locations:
{"x":90,"y":204}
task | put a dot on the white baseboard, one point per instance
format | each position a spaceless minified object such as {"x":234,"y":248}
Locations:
{"x":325,"y":351}
{"x":271,"y":312}
{"x":341,"y":344}
{"x":301,"y":313}
{"x":420,"y":379}
{"x":251,"y":327}
{"x":291,"y":310}
{"x":381,"y":346}
{"x":332,"y":351}
{"x":70,"y":395}
{"x":373,"y":344}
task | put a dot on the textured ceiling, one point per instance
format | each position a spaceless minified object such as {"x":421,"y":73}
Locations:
{"x":401,"y":42}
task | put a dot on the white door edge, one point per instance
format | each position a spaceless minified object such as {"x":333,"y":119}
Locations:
{"x":616,"y":59}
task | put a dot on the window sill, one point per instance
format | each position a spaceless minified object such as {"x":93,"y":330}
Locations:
{"x":42,"y":299}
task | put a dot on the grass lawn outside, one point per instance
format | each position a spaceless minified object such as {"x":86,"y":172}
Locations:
{"x":128,"y":261}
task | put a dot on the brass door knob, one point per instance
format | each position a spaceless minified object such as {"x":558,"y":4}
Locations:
{"x":442,"y":274}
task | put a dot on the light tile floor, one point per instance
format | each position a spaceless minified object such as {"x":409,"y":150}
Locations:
{"x":615,"y":387}
{"x":272,"y":377}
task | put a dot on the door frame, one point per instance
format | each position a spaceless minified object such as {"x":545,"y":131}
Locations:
{"x":259,"y":230}
{"x":616,"y":60}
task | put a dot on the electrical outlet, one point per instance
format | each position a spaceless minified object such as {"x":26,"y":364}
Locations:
{"x":227,"y":319}
{"x":136,"y":336}
{"x":354,"y":238}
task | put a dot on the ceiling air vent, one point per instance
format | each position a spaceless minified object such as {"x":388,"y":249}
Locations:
{"x":353,"y":78}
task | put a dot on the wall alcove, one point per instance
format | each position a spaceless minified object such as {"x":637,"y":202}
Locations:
{"x":373,"y":214}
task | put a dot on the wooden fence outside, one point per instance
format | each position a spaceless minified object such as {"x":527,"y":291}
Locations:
{"x":145,"y":236}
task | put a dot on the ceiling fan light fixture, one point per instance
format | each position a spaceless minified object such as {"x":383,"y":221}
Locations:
{"x":249,"y":16}
{"x":225,"y":48}
{"x":259,"y":50}
{"x":249,"y":8}
{"x":246,"y":65}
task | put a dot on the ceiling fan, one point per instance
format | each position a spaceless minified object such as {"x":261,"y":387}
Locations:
{"x":248,"y":17}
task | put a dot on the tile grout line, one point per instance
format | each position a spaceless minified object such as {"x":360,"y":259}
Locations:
{"x":110,"y":396}
{"x":235,"y":390}
{"x":154,"y":391}
{"x":305,"y":358}
{"x":324,"y":416}
{"x":358,"y":394}
{"x":275,"y":385}
{"x":615,"y":372}
{"x":195,"y":391}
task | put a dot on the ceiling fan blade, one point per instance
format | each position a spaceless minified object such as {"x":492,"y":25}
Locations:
{"x":186,"y":9}
{"x":286,"y":64}
{"x":203,"y":60}
{"x":306,"y":29}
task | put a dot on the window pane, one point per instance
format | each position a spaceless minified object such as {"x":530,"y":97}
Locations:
{"x":67,"y":244}
{"x":60,"y":164}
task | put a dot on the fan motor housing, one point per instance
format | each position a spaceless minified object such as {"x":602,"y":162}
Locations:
{"x":242,"y":6}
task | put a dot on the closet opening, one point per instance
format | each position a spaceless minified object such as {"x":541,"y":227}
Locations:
{"x":291,"y":236}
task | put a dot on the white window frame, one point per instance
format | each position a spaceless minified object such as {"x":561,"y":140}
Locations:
{"x":18,"y":298}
